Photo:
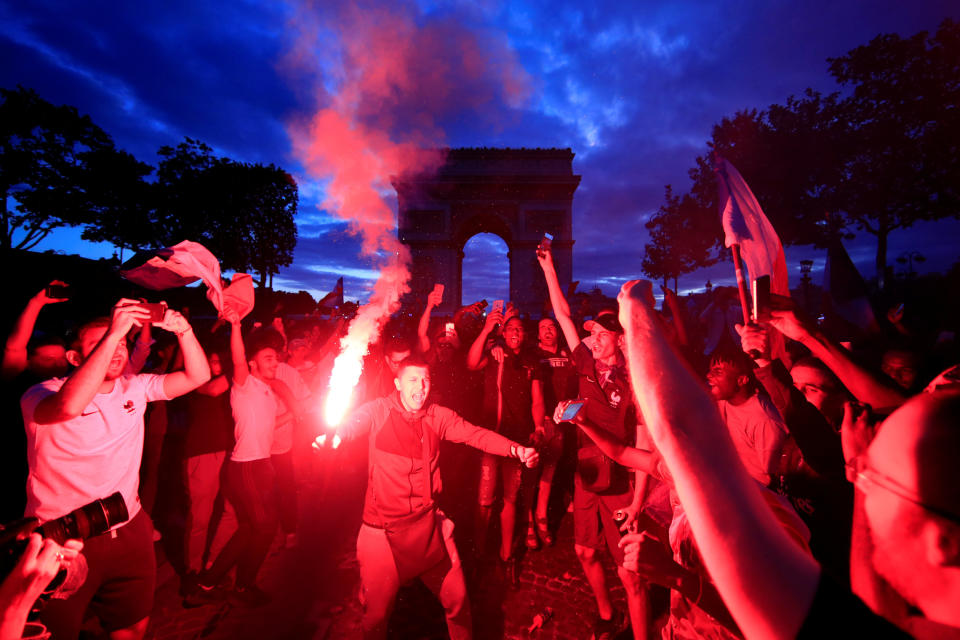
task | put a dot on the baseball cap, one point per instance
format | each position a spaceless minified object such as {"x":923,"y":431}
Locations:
{"x":606,"y":321}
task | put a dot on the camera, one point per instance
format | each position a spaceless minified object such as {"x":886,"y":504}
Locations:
{"x":83,"y":523}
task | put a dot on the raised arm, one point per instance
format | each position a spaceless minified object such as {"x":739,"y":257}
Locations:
{"x":475,"y":357}
{"x":84,"y":383}
{"x":15,"y":349}
{"x":745,"y":550}
{"x":560,"y":307}
{"x":865,"y":385}
{"x":196,"y":369}
{"x":238,"y":354}
{"x":433,"y":300}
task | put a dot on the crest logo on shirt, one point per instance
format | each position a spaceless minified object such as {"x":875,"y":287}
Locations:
{"x":129,"y":407}
{"x":614,"y":398}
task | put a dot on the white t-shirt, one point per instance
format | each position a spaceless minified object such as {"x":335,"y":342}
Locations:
{"x":283,"y":434}
{"x":758,"y":433}
{"x":75,"y":462}
{"x":254,"y":414}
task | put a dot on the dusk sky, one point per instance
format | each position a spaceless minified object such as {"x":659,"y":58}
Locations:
{"x":632,"y":88}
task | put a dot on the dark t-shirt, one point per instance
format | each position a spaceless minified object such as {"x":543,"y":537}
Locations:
{"x":837,"y":613}
{"x":209,"y":424}
{"x":519,"y":372}
{"x":609,"y":396}
{"x":559,"y":377}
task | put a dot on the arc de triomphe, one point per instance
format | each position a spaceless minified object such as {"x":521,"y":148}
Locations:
{"x":517,"y":194}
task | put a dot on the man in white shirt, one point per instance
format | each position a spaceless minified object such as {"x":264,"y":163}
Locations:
{"x":250,"y":476}
{"x":85,"y":441}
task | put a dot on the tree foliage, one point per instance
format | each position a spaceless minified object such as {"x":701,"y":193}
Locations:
{"x":58,"y":168}
{"x":244,"y":213}
{"x":680,"y":240}
{"x":879,"y":155}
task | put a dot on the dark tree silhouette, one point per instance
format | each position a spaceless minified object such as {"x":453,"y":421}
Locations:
{"x":52,"y":161}
{"x":878,"y":156}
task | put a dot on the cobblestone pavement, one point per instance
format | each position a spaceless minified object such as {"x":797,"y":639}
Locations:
{"x":314,"y":586}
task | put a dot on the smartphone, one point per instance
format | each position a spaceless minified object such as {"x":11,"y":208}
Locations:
{"x":58,"y":291}
{"x":546,"y":242}
{"x":761,"y":299}
{"x":572,"y":410}
{"x":498,"y":306}
{"x":449,"y":328}
{"x":438,"y":289}
{"x":157,"y":310}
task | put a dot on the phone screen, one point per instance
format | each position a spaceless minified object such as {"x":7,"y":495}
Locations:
{"x":498,"y":306}
{"x":572,"y":410}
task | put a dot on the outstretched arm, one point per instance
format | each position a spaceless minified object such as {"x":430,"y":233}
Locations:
{"x":867,"y":386}
{"x":744,"y":549}
{"x":623,"y":454}
{"x":560,"y":307}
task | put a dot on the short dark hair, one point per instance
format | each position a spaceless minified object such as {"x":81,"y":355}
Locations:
{"x":736,"y":358}
{"x":76,"y":340}
{"x":262,"y":339}
{"x":413,"y":360}
{"x":44,"y":340}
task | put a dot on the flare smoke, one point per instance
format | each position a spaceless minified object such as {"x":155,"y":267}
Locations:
{"x":392,"y":77}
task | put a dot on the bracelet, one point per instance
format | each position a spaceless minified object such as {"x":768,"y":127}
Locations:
{"x":513,"y":451}
{"x":180,"y":334}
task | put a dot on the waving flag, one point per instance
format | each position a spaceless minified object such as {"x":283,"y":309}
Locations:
{"x":745,"y":224}
{"x":335,"y":297}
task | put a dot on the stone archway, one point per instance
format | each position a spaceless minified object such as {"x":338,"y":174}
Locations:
{"x":517,"y":194}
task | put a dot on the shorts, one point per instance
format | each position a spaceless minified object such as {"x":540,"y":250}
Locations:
{"x":122,"y":572}
{"x":593,"y":518}
{"x":510,"y":472}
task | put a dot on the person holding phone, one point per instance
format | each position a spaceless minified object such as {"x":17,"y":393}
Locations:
{"x":85,"y":438}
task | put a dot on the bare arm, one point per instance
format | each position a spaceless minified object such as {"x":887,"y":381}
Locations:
{"x":433,"y":300}
{"x":15,"y":349}
{"x":475,"y":357}
{"x":623,"y":454}
{"x":80,"y":388}
{"x":744,"y":549}
{"x":215,"y":386}
{"x":538,"y":408}
{"x":196,"y":369}
{"x":865,"y":385}
{"x":238,"y":353}
{"x":560,"y":307}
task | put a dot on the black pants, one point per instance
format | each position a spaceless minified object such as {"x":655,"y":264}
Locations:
{"x":251,"y":492}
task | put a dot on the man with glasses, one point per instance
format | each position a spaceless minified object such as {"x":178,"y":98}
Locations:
{"x":907,"y":477}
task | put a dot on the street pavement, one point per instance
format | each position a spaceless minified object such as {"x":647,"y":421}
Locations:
{"x":315,"y":583}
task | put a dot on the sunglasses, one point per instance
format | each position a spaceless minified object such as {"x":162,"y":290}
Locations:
{"x":865,"y":478}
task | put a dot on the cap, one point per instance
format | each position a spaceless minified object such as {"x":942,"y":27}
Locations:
{"x":606,"y":321}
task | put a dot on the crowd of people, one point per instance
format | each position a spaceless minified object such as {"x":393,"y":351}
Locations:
{"x":777,"y":482}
